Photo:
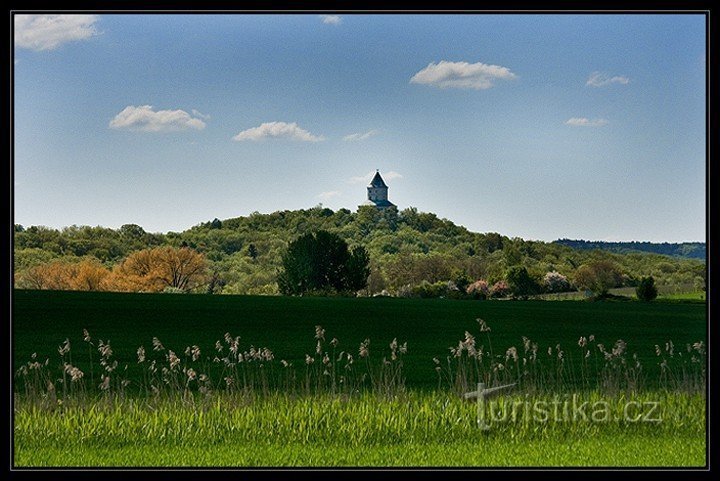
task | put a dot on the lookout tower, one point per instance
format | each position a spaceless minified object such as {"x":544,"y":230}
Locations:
{"x":377,"y":192}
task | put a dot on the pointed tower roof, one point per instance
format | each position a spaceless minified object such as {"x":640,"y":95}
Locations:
{"x":377,"y":181}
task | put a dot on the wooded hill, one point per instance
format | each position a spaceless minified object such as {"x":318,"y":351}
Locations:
{"x":409,"y":250}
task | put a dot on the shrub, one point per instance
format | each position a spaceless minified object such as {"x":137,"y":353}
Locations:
{"x":646,"y":290}
{"x":478,"y":289}
{"x":500,"y":289}
{"x":555,"y":282}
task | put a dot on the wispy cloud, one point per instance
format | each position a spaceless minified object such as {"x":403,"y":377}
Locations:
{"x":601,"y":79}
{"x":47,"y":32}
{"x":144,"y":119}
{"x":325,"y":196}
{"x":278,"y":130}
{"x":462,"y":75}
{"x":585,"y":122}
{"x":358,"y":137}
{"x":199,"y":114}
{"x":365,"y":179}
{"x":331,"y":19}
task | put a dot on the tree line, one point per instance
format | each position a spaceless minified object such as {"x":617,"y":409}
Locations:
{"x":408,"y":252}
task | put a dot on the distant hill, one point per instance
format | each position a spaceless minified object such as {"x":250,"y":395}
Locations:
{"x":689,"y":250}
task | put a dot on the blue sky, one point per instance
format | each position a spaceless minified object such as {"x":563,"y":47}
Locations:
{"x":537,"y":126}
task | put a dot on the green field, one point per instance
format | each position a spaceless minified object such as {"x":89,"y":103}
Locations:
{"x":420,"y":422}
{"x":43,"y":319}
{"x":421,"y":429}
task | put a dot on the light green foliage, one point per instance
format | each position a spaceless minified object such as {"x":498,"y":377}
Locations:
{"x":436,"y":248}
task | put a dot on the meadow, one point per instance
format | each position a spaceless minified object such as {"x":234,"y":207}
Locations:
{"x":193,"y":380}
{"x":412,"y":429}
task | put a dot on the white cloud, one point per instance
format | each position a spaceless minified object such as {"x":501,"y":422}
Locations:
{"x":199,"y":114}
{"x":278,"y":130}
{"x":47,"y":32}
{"x":585,"y":122}
{"x":358,"y":137}
{"x":601,"y":79}
{"x":145,"y":119}
{"x":365,"y":179}
{"x":462,"y":75}
{"x":331,"y":19}
{"x":326,"y":196}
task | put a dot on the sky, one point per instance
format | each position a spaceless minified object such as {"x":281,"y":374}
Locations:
{"x":533,"y":126}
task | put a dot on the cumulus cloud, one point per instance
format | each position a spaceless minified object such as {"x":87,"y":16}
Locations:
{"x":585,"y":122}
{"x":143,"y":118}
{"x":331,"y":19}
{"x":47,"y":32}
{"x":199,"y":114}
{"x":365,"y":179}
{"x":325,"y":196}
{"x":357,"y":137}
{"x":278,"y":130}
{"x":462,"y":75}
{"x":601,"y":79}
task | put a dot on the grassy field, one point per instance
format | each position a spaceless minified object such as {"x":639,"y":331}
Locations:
{"x":42,"y":320}
{"x":413,"y":429}
{"x":166,"y":414}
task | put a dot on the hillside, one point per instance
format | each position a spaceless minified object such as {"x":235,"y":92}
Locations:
{"x":690,"y":250}
{"x":407,"y":248}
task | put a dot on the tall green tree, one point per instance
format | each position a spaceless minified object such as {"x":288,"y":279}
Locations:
{"x":321,"y":263}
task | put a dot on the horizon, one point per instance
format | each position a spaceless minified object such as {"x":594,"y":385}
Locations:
{"x":538,"y":126}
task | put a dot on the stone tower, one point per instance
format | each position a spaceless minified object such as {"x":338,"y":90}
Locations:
{"x":377,"y":192}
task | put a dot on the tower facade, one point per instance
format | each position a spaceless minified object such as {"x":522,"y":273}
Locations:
{"x":377,"y":193}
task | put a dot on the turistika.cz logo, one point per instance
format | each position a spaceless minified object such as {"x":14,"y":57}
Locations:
{"x":558,"y":409}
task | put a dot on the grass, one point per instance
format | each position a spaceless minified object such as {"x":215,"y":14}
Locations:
{"x":681,"y":451}
{"x":414,"y":429}
{"x":408,"y":413}
{"x":42,"y":320}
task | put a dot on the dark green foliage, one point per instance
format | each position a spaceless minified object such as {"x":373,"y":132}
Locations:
{"x":520,"y":282}
{"x":646,"y":290}
{"x":321,"y":263}
{"x":252,"y":251}
{"x":358,"y":269}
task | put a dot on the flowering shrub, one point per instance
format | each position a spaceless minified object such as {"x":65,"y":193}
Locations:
{"x":555,"y":282}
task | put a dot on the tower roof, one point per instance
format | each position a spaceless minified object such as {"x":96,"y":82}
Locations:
{"x":377,"y":181}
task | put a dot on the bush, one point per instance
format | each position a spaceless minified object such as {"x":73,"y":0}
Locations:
{"x":555,"y":282}
{"x":646,"y":290}
{"x":478,"y":289}
{"x":500,"y":289}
